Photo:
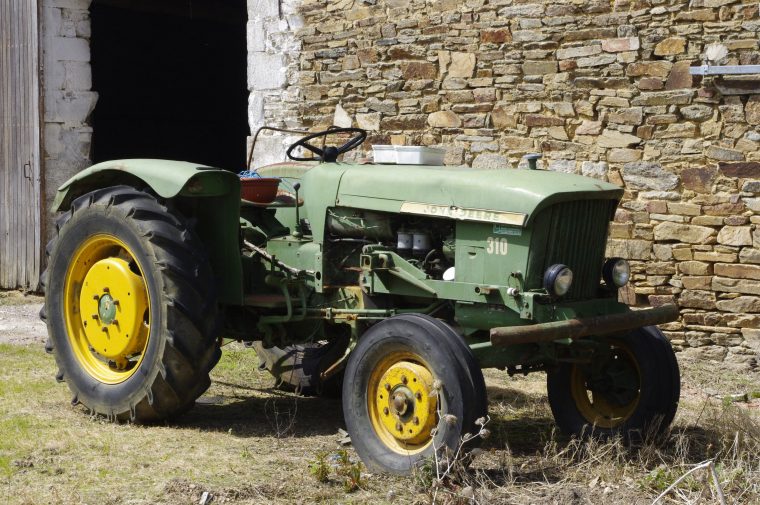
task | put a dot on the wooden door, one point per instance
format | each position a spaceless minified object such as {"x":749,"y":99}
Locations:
{"x":20,"y":181}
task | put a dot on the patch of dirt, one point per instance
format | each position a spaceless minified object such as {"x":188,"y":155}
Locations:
{"x":180,"y":490}
{"x":19,"y":319}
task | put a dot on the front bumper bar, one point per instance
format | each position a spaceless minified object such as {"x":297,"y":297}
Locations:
{"x":577,"y":328}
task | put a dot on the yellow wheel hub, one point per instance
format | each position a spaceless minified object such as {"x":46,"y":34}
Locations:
{"x":113,"y":302}
{"x":598,"y":408}
{"x":106,"y":309}
{"x":403,"y":403}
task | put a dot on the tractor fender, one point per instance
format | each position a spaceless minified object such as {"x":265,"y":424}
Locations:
{"x":166,"y":178}
{"x":217,"y":220}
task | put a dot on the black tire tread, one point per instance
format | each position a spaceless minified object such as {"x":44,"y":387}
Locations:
{"x":656,"y":410}
{"x":298,"y":367}
{"x":467,"y":360}
{"x":190,"y":351}
{"x":450,"y":357}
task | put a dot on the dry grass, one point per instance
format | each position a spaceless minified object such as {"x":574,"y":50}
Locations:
{"x":231,"y":444}
{"x":526,"y":461}
{"x":12,"y":297}
{"x":247,"y":442}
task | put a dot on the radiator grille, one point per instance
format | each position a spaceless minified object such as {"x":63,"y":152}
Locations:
{"x":575,"y":235}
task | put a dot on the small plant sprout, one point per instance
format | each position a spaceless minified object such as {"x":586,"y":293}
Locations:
{"x":348,"y":471}
{"x":319,"y":467}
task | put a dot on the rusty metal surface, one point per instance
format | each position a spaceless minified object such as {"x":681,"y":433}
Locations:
{"x":577,"y":328}
{"x":20,"y":181}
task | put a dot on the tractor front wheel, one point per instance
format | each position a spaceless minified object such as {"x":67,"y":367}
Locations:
{"x":130,"y":311}
{"x":631,"y":390}
{"x":411,"y":390}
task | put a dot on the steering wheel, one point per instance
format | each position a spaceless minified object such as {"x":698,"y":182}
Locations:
{"x":330,"y":153}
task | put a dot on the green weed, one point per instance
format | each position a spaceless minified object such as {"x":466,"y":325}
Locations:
{"x":348,"y":472}
{"x":319,"y":467}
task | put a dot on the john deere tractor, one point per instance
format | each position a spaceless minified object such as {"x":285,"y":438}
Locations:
{"x":392,"y":284}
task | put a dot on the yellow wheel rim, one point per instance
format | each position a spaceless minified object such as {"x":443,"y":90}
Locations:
{"x":603,"y":409}
{"x":403,"y":403}
{"x":106,"y":309}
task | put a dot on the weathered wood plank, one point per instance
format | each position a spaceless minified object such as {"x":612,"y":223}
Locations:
{"x":20,"y":174}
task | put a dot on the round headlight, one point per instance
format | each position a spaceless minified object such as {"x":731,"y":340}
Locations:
{"x":558,"y":279}
{"x":616,"y":272}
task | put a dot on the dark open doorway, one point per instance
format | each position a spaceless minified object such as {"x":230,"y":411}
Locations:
{"x":171,"y":78}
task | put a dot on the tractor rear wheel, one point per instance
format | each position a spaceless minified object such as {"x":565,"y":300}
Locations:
{"x":299,"y":367}
{"x":130,"y":308}
{"x":409,"y":394}
{"x":632,"y":391}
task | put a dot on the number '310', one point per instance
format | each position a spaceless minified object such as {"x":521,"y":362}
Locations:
{"x":496,"y":245}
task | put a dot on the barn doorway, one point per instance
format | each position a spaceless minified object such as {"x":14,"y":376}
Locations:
{"x":171,"y":80}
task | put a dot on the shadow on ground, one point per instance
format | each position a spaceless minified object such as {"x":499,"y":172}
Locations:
{"x":268,"y":411}
{"x":265,"y":412}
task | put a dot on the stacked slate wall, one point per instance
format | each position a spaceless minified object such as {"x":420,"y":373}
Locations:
{"x":601,"y":88}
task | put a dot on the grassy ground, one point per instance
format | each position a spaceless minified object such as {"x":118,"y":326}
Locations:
{"x":246,"y":442}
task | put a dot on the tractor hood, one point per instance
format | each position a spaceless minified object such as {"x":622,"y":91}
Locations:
{"x":509,"y":196}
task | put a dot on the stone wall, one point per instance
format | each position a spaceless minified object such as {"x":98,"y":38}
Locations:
{"x":68,"y":99}
{"x":273,"y":78}
{"x":601,"y":88}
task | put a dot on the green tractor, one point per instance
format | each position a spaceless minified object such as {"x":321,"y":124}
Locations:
{"x":396,"y":283}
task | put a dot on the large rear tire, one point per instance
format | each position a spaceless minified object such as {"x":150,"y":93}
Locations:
{"x":300,"y":366}
{"x":633,"y":392}
{"x":408,"y":392}
{"x":130,"y":306}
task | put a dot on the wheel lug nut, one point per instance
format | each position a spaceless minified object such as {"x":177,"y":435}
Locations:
{"x":387,"y":387}
{"x":95,"y":317}
{"x":404,"y":379}
{"x":106,"y":290}
{"x":95,"y":297}
{"x":386,"y":411}
{"x":104,"y":328}
{"x":399,"y":427}
{"x":416,"y":420}
{"x":418,"y":396}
